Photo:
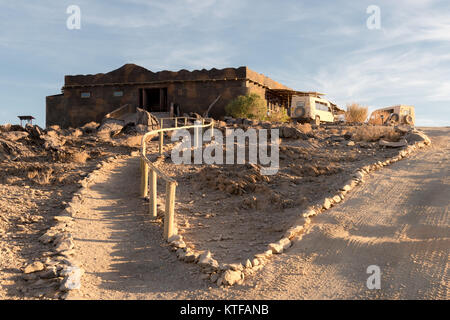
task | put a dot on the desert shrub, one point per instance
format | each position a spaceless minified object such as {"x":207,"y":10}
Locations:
{"x":375,"y":133}
{"x":32,"y":174}
{"x":375,"y":119}
{"x":45,"y":177}
{"x":250,"y":106}
{"x":279,"y":115}
{"x":79,"y":157}
{"x":42,"y":176}
{"x":356,"y":113}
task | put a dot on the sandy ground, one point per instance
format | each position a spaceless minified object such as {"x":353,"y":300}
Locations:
{"x":235,"y":212}
{"x":398,"y":220}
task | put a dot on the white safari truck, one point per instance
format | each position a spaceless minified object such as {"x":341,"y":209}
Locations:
{"x":399,"y":114}
{"x":309,"y":106}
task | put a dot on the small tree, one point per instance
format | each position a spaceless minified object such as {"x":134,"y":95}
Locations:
{"x":250,"y":106}
{"x":356,"y":113}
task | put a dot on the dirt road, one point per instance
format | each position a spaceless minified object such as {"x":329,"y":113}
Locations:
{"x":398,"y":220}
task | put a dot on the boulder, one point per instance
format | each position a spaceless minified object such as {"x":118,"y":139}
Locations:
{"x":75,"y":133}
{"x":146,"y":118}
{"x":181,"y":254}
{"x":291,"y":133}
{"x":327,"y":203}
{"x":90,"y":127}
{"x":64,"y":245}
{"x":403,"y":128}
{"x":337,"y":138}
{"x":178,"y":244}
{"x":208,"y":264}
{"x":110,"y":126}
{"x":417,"y":136}
{"x":34,"y":267}
{"x":175,"y":237}
{"x":52,"y":141}
{"x":285,"y":243}
{"x":72,"y":280}
{"x":16,"y":127}
{"x":189,"y":257}
{"x":214,"y":277}
{"x":231,"y":277}
{"x":276,"y":248}
{"x":337,"y":199}
{"x":34,"y":132}
{"x":390,"y":144}
{"x":236,"y":266}
{"x":15,"y":135}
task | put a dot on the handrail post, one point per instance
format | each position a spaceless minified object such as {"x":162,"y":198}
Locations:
{"x":152,"y":195}
{"x":170,"y":210}
{"x":212,"y":129}
{"x":161,"y":142}
{"x":176,"y":122}
{"x":185,"y":121}
{"x":144,"y":178}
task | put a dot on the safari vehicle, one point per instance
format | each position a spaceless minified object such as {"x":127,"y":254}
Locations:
{"x":313,"y":108}
{"x":399,"y":114}
{"x":306,"y":106}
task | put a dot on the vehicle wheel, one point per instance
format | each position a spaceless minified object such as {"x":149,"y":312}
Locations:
{"x":299,"y":112}
{"x":394,"y":118}
{"x":408,"y":120}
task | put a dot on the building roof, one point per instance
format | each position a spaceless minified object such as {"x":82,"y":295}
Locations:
{"x":290,"y":92}
{"x":131,"y":74}
{"x":26,"y":117}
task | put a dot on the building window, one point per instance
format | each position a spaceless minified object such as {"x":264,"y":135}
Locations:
{"x":118,"y":93}
{"x":85,"y":94}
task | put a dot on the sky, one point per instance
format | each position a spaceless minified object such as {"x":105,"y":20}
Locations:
{"x":323,"y":46}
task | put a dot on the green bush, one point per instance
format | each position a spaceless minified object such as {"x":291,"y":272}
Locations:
{"x":250,"y":106}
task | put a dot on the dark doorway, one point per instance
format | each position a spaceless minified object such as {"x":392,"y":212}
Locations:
{"x":153,"y":99}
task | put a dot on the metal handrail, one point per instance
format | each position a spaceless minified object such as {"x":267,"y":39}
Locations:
{"x":148,"y":166}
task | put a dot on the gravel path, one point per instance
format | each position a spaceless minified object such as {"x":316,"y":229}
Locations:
{"x":398,"y":220}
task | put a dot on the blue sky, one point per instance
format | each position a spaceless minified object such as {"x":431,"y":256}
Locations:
{"x":323,"y":46}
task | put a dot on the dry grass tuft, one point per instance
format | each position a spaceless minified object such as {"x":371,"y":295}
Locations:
{"x":45,"y":177}
{"x":42,"y":176}
{"x":80,"y":157}
{"x":356,"y":113}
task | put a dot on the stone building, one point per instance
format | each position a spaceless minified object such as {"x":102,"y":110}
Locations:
{"x":87,"y":98}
